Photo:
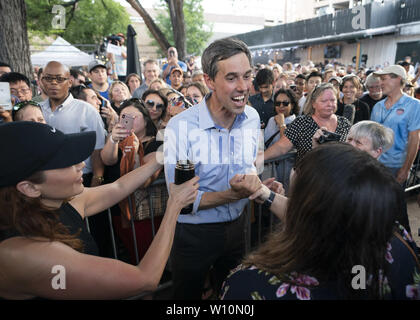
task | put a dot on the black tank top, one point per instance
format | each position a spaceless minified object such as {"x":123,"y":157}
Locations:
{"x":70,"y":218}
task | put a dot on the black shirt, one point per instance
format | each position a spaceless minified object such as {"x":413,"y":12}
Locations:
{"x":362,"y":110}
{"x":264,"y":109}
{"x":73,"y":221}
{"x":369,"y":101}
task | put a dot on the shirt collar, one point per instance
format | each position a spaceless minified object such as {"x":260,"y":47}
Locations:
{"x":65,"y":103}
{"x":401,"y":101}
{"x":207,"y":122}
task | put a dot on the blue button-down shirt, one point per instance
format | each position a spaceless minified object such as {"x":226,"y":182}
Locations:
{"x":403,"y":117}
{"x":218,"y":154}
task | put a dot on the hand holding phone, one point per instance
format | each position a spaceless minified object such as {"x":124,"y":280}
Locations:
{"x":126,"y":121}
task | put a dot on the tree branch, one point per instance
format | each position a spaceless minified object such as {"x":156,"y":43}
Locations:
{"x":151,"y":25}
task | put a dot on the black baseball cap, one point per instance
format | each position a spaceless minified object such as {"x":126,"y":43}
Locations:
{"x":28,"y":147}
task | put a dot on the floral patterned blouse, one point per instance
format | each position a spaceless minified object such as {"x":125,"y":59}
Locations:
{"x":246,"y":283}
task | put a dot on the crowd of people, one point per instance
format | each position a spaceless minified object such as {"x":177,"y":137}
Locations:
{"x":77,"y":142}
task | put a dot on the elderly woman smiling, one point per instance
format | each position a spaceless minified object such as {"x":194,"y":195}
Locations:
{"x":319,"y":112}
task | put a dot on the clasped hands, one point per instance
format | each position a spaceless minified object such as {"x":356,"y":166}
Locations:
{"x":250,"y":186}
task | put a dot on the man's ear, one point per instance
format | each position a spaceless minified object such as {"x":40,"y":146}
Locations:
{"x":209,"y":82}
{"x":29,"y":189}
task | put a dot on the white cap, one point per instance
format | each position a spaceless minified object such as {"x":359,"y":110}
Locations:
{"x":395,"y":69}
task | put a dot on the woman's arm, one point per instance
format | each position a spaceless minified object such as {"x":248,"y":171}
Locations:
{"x":109,"y":153}
{"x":279,"y":205}
{"x":94,"y":200}
{"x":31,"y":268}
{"x":279,"y":148}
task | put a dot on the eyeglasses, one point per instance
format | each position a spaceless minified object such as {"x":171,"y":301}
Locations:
{"x":51,"y":79}
{"x":15,"y":92}
{"x":150,"y":104}
{"x":279,"y":103}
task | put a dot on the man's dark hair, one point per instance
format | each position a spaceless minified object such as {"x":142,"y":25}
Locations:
{"x":13,"y":77}
{"x":76,"y":73}
{"x":221,"y":50}
{"x":313,"y":74}
{"x":403,"y":63}
{"x":78,"y":92}
{"x":300,"y":76}
{"x":4,"y":64}
{"x":264,"y":76}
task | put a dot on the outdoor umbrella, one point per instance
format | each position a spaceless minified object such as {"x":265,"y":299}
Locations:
{"x":133,"y":63}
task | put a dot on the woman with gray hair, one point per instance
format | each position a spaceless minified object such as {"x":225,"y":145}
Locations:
{"x":319,"y":113}
{"x":371,"y":136}
{"x":374,"y":138}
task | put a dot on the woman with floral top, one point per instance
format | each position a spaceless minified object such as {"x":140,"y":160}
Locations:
{"x":338,"y":239}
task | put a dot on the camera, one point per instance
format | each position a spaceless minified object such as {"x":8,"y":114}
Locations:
{"x":328,"y":136}
{"x":113,"y":39}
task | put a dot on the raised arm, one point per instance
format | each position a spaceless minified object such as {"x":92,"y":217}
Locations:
{"x":94,"y":200}
{"x":109,"y":154}
{"x":28,"y":266}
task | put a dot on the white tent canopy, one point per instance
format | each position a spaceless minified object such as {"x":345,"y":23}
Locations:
{"x":61,"y":51}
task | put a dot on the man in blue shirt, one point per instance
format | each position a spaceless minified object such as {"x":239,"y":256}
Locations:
{"x":220,"y":136}
{"x":98,"y":75}
{"x":172,"y":63}
{"x":401,"y":113}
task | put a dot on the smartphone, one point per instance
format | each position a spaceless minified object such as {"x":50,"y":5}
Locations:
{"x":126,"y":121}
{"x":5,"y":97}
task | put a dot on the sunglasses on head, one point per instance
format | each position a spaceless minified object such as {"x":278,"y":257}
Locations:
{"x":150,"y":104}
{"x":22,"y":104}
{"x":279,"y":103}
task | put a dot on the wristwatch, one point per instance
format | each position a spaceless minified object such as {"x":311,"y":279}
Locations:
{"x":268,"y":202}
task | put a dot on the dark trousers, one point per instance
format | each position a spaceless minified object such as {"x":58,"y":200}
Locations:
{"x":197,"y":247}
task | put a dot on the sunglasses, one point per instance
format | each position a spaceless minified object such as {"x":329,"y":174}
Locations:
{"x":150,"y":104}
{"x":279,"y":103}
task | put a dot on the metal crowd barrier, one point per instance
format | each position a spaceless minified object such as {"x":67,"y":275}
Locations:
{"x":279,"y":168}
{"x":413,"y":180}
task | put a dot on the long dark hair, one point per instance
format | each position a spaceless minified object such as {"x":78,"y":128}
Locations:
{"x":340,"y":214}
{"x":161,"y":95}
{"x":28,"y":217}
{"x":151,"y":129}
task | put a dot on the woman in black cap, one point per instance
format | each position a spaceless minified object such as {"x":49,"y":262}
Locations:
{"x":45,"y":249}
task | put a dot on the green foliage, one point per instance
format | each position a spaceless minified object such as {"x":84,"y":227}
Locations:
{"x":91,"y":21}
{"x":197,"y":31}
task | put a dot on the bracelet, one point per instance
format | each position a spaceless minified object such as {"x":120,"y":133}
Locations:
{"x":268,"y":202}
{"x":112,"y":140}
{"x":99,"y":178}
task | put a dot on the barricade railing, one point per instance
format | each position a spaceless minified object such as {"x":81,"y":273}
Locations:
{"x":279,"y":168}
